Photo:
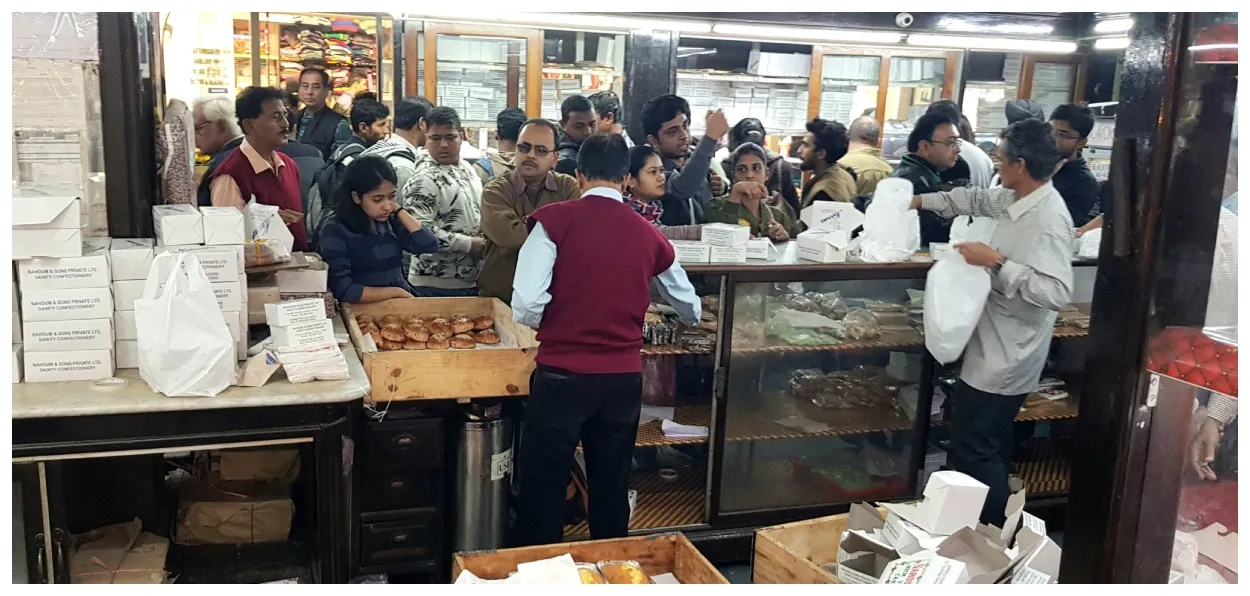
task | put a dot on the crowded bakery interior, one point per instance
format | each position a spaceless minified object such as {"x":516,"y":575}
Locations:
{"x":458,"y":296}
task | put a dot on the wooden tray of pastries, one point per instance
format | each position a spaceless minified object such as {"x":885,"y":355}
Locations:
{"x":442,"y":348}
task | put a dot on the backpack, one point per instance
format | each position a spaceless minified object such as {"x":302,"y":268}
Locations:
{"x":487,"y":167}
{"x":325,"y":183}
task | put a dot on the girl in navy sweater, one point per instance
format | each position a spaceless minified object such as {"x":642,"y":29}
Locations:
{"x":365,"y":237}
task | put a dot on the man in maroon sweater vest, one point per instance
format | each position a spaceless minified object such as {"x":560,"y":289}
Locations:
{"x":583,"y":279}
{"x":257,"y":169}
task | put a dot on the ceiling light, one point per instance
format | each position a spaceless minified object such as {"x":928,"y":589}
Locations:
{"x":991,"y":43}
{"x":1113,"y":26}
{"x":804,"y":34}
{"x":565,"y":20}
{"x":958,"y":24}
{"x":1111,"y":43}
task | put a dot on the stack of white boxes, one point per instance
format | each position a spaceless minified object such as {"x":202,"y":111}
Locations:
{"x":66,"y":306}
{"x":299,"y":324}
{"x":728,"y":242}
{"x":17,"y":336}
{"x":130,"y":258}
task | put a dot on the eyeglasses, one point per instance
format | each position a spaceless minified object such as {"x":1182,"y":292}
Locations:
{"x":950,"y":143}
{"x":1067,"y":135}
{"x":539,"y":150}
{"x":438,"y":139}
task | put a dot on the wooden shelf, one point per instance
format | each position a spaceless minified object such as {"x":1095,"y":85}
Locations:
{"x":651,"y":435}
{"x":662,"y":504}
{"x":1046,"y":468}
{"x":745,"y":426}
{"x":1063,"y":409}
{"x":887,"y":341}
{"x":649,"y":351}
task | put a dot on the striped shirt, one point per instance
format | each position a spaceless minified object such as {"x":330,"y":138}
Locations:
{"x":373,"y":260}
{"x":1009,"y":347}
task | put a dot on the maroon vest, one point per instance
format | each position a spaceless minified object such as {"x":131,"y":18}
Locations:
{"x":606,"y":256}
{"x":280,"y":189}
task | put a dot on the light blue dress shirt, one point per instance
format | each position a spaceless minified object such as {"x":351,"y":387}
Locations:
{"x":538,"y":257}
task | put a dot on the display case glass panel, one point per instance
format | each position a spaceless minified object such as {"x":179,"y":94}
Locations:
{"x":914,"y":84}
{"x":480,"y":77}
{"x":580,"y":63}
{"x":849,"y":86}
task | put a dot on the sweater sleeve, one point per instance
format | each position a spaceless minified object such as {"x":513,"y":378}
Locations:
{"x":424,"y":200}
{"x":686,"y":183}
{"x":501,"y":224}
{"x":336,"y":254}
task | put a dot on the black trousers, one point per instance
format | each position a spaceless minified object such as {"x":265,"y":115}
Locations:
{"x":602,"y":412}
{"x":982,"y":439}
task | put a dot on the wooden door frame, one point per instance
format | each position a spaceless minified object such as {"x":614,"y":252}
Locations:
{"x":533,"y":57}
{"x":1027,"y":61}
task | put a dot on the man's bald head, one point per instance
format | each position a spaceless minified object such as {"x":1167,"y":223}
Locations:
{"x":865,"y":130}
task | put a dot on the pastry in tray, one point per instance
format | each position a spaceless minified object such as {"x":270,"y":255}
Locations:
{"x":437,"y":343}
{"x":483,"y":322}
{"x":461,"y":324}
{"x":392,"y":332}
{"x":487,"y":337}
{"x":414,"y":345}
{"x":590,"y":574}
{"x":392,"y":319}
{"x":439,"y":327}
{"x":391,"y":346}
{"x":416,"y":332}
{"x":463,"y":341}
{"x":623,"y":572}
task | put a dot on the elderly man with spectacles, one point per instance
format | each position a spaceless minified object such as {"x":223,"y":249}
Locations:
{"x":508,"y":201}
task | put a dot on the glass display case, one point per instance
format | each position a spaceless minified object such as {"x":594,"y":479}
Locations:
{"x":769,"y":82}
{"x":580,"y":63}
{"x":985,"y":99}
{"x":849,"y":87}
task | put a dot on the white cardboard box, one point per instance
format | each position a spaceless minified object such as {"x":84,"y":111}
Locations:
{"x":66,"y":305}
{"x":177,"y":225}
{"x":925,"y":570}
{"x":17,"y":323}
{"x":863,"y":552}
{"x":126,"y":354}
{"x":222,"y":225}
{"x":52,"y":243}
{"x":690,"y":251}
{"x":830,"y":215}
{"x":298,"y":281}
{"x":952,"y":500}
{"x":728,"y":254}
{"x":68,"y":336}
{"x":87,"y":365}
{"x":301,"y":335}
{"x":126,"y":291}
{"x":824,"y":245}
{"x":906,"y":537}
{"x":230,"y":296}
{"x":47,"y":213}
{"x":91,"y":270}
{"x":722,"y":234}
{"x":17,"y":363}
{"x":131,"y":258}
{"x":124,"y":325}
{"x":761,"y":249}
{"x":204,"y":253}
{"x":284,"y":314}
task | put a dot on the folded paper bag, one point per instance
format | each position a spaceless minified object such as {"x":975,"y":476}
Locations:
{"x":233,"y":513}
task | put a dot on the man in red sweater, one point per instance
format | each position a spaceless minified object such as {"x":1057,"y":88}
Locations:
{"x":583,"y":279}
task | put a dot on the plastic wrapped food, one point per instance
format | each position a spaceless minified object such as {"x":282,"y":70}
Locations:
{"x":800,"y":302}
{"x":778,"y":328}
{"x":831,"y":304}
{"x":856,"y":388}
{"x":590,"y":574}
{"x":265,"y":251}
{"x":623,"y":572}
{"x":861,"y":324}
{"x":882,"y":306}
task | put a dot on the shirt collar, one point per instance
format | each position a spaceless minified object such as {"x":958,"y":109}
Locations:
{"x":1026,"y":204}
{"x":867,"y":151}
{"x":603,"y":191}
{"x":518,"y":183}
{"x":259,"y":164}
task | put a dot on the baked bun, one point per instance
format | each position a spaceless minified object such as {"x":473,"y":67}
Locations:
{"x":393,"y":332}
{"x":363,"y":320}
{"x":487,"y":336}
{"x":437,"y":344}
{"x":377,"y":337}
{"x":463,"y":342}
{"x":440,"y":327}
{"x":483,"y":322}
{"x":391,"y":319}
{"x":391,"y":346}
{"x":416,"y":332}
{"x":414,"y":345}
{"x":368,"y":328}
{"x":461,"y":325}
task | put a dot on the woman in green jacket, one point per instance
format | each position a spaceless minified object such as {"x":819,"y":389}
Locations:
{"x":746,"y":204}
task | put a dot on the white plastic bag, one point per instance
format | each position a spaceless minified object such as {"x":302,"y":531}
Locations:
{"x":185,"y":347}
{"x":1089,"y":243}
{"x":972,"y":229}
{"x":954,"y":296}
{"x":891,"y":228}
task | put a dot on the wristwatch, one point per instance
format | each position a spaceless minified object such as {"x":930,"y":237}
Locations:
{"x":999,"y":265}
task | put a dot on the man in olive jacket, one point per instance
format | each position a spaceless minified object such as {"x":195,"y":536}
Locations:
{"x":508,"y":201}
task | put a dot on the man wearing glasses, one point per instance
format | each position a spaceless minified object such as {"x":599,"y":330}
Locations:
{"x":445,"y":195}
{"x":508,"y":201}
{"x":1072,"y":124}
{"x":932,"y":148}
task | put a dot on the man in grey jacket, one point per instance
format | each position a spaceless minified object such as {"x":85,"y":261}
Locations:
{"x":666,"y":122}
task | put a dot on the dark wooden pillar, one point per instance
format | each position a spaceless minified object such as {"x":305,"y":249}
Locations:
{"x":129,"y":96}
{"x":650,"y":70}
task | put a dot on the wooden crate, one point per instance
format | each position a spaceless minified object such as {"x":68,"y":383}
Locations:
{"x":796,"y":553}
{"x":658,"y":554}
{"x":446,"y":374}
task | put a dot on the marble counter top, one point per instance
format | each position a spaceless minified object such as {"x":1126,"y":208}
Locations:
{"x":84,"y":398}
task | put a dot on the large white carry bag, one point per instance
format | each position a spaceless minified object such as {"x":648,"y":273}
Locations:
{"x":954,"y":296}
{"x":185,"y":347}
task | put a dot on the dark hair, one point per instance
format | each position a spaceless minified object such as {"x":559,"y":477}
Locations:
{"x":830,"y":137}
{"x":606,"y":102}
{"x":745,"y":126}
{"x":368,"y":111}
{"x":1078,"y":116}
{"x":965,"y":129}
{"x":946,"y":107}
{"x":604,"y":157}
{"x":555,"y":130}
{"x":574,"y":104}
{"x":509,"y":122}
{"x":443,"y":116}
{"x":1032,"y":141}
{"x":409,"y":111}
{"x":923,"y":130}
{"x":745,"y":149}
{"x":363,"y":175}
{"x":250,"y":103}
{"x":365,"y":95}
{"x":325,"y":76}
{"x":659,"y":110}
{"x":638,"y":158}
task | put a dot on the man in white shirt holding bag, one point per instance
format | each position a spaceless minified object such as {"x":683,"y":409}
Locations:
{"x":1030,"y":264}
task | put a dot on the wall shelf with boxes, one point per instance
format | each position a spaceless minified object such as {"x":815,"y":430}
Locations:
{"x":580,"y":63}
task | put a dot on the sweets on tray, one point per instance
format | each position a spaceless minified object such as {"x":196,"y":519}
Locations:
{"x":859,"y":387}
{"x":395,"y":332}
{"x":623,"y":572}
{"x":590,"y":574}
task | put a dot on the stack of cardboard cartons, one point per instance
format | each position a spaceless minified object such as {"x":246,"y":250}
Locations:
{"x":299,"y":324}
{"x":120,"y":554}
{"x":67,"y":315}
{"x":130,"y":258}
{"x":939,"y":540}
{"x":828,"y":235}
{"x":243,"y":497}
{"x":17,"y":337}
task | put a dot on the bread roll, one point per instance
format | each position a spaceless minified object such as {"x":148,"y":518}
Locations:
{"x":416,"y":332}
{"x":363,"y":320}
{"x":487,"y":336}
{"x":440,"y":327}
{"x":437,"y":344}
{"x":377,"y":337}
{"x":414,"y":345}
{"x":461,"y":324}
{"x":393,"y":333}
{"x":391,"y":346}
{"x":463,"y":342}
{"x":483,"y":322}
{"x":392,"y":320}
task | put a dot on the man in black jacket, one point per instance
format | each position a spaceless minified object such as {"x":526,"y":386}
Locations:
{"x":319,"y":125}
{"x":577,"y":118}
{"x":1071,"y":125}
{"x":932,"y":148}
{"x":666,"y":124}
